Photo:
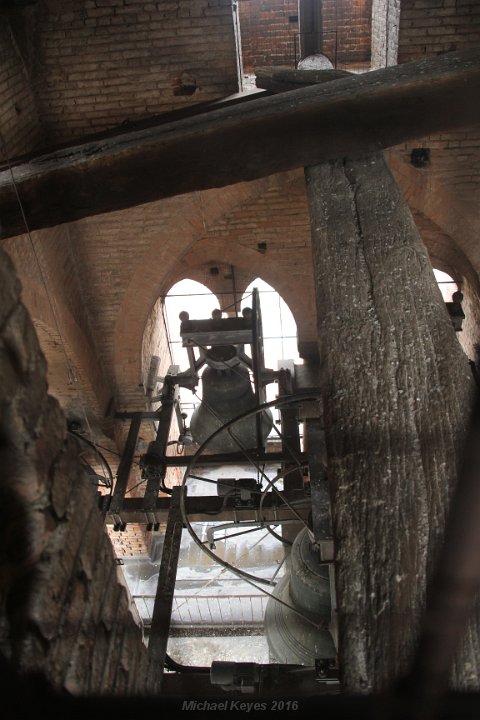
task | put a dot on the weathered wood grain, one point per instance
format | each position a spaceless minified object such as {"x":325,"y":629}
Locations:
{"x":397,"y":396}
{"x":343,"y":118}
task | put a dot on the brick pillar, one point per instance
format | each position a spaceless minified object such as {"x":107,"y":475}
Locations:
{"x":63,"y":611}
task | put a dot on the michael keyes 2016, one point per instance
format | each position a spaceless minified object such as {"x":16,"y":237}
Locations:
{"x":209,"y":706}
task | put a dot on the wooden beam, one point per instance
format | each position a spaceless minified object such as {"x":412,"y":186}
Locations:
{"x":394,"y":441}
{"x":280,"y":79}
{"x":347,"y":117}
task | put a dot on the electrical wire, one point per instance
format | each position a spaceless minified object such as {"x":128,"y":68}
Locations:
{"x":259,"y":525}
{"x":100,"y":455}
{"x":226,"y":426}
{"x":113,"y":452}
{"x":135,"y":486}
{"x":224,"y":504}
{"x":222,"y":572}
{"x":278,"y":477}
{"x":260,"y":472}
{"x":253,"y":462}
{"x":226,"y":569}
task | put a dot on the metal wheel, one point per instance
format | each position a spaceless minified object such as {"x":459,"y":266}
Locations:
{"x":263,"y":494}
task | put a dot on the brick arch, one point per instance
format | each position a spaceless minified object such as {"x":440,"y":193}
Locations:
{"x":445,"y":255}
{"x":200,"y":273}
{"x":207,"y":253}
{"x":220,"y":285}
{"x":444,"y":252}
{"x":279,"y":221}
{"x":452,"y":213}
{"x":252,"y":264}
{"x":191,"y":217}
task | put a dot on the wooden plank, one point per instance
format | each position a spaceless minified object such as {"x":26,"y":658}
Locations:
{"x":347,"y":117}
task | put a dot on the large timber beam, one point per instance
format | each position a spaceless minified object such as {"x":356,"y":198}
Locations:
{"x":346,"y":117}
{"x":397,"y":395}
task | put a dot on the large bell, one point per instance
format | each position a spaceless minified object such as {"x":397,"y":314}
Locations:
{"x":227,"y":393}
{"x":292,"y":639}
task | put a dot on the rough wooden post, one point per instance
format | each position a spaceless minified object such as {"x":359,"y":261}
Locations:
{"x":397,"y":393}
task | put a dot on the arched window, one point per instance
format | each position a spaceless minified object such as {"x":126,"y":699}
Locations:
{"x":453,"y":299}
{"x":279,"y":326}
{"x":194,"y":298}
{"x":446,"y":284}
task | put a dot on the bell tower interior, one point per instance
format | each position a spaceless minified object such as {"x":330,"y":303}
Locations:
{"x":239,"y":355}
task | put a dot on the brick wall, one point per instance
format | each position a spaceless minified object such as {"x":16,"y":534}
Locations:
{"x":469,"y":337}
{"x":163,"y":234}
{"x":54,"y":300}
{"x":131,"y":542}
{"x":428,"y":27}
{"x":104,"y":275}
{"x":269,"y":33}
{"x":347,"y":31}
{"x":176,"y":237}
{"x":280,"y":219}
{"x":454,"y":160}
{"x":52,"y":292}
{"x":20,"y":129}
{"x":456,"y":218}
{"x":385,"y":28}
{"x":269,"y":37}
{"x":447,"y":239}
{"x":155,"y":343}
{"x":106,"y":62}
{"x":63,"y":610}
{"x":445,"y":255}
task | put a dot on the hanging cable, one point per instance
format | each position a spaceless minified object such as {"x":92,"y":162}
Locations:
{"x":100,"y":455}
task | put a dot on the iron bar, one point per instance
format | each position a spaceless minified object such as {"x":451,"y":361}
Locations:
{"x":207,"y":508}
{"x":232,"y":458}
{"x":157,"y":450}
{"x":143,"y":415}
{"x":125,"y":466}
{"x":162,"y":609}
